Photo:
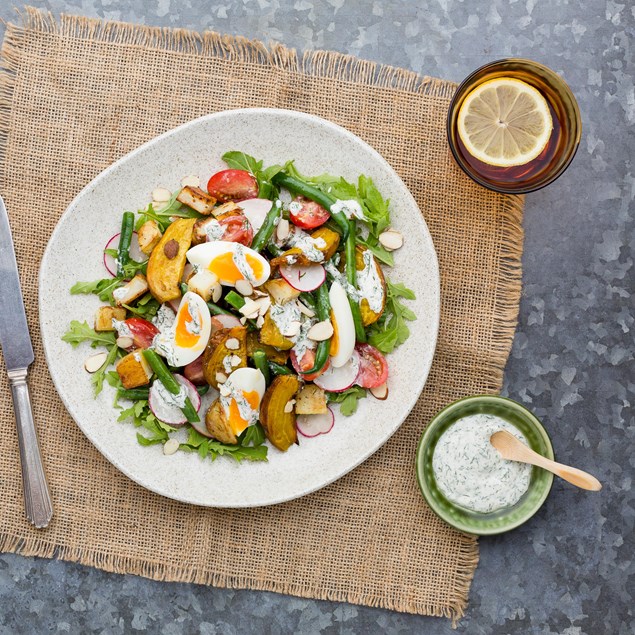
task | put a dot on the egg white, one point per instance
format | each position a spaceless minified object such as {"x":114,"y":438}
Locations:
{"x":181,"y":355}
{"x":342,"y":317}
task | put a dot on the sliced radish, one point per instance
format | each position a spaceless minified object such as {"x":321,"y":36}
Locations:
{"x":223,"y":321}
{"x":339,"y":379}
{"x":135,"y":253}
{"x":188,"y":270}
{"x":175,"y":304}
{"x":255,"y":209}
{"x":206,"y":401}
{"x":304,"y":278}
{"x":314,"y":425}
{"x":172,"y":415}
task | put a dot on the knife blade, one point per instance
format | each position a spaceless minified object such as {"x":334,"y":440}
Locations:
{"x":17,"y":351}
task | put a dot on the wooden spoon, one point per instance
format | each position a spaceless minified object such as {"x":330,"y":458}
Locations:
{"x":509,"y":447}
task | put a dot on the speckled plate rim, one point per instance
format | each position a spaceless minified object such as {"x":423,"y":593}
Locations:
{"x":421,"y":472}
{"x":390,"y":422}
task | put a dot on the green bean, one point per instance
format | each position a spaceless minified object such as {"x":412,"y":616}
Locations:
{"x":274,"y":250}
{"x":310,"y":191}
{"x":133,"y":394}
{"x":171,"y":385}
{"x":351,"y":276}
{"x":323,"y":347}
{"x":125,"y":238}
{"x":202,"y":390}
{"x":308,"y":299}
{"x":214,"y":309}
{"x":234,"y":299}
{"x":278,"y":369}
{"x":184,"y":288}
{"x":260,"y":360}
{"x":266,"y":230}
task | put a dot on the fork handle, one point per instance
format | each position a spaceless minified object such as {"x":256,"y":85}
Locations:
{"x":37,"y":500}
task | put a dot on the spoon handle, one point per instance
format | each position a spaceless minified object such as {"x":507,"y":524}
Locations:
{"x":573,"y":475}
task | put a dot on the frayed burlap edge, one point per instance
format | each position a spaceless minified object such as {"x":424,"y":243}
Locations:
{"x":321,"y":64}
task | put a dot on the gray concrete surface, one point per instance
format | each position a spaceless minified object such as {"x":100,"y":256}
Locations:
{"x":570,"y":570}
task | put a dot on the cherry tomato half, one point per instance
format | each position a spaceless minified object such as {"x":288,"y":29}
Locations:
{"x":373,"y":367}
{"x":232,"y":185}
{"x":141,"y":331}
{"x":307,"y":361}
{"x":309,"y":215}
{"x":237,"y":230}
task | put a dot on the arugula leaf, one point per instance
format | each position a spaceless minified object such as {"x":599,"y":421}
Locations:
{"x":164,"y":215}
{"x":79,"y":332}
{"x":391,"y":329}
{"x":241,"y":161}
{"x":242,"y":451}
{"x":348,"y":399}
{"x":97,"y":378}
{"x":132,"y":268}
{"x":101,"y":288}
{"x":146,"y":308}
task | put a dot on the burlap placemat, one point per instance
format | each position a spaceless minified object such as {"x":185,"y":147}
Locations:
{"x":76,"y":95}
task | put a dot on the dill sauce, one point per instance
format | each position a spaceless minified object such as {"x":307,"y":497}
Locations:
{"x":470,"y":472}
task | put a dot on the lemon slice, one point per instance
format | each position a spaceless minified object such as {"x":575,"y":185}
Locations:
{"x":505,"y":122}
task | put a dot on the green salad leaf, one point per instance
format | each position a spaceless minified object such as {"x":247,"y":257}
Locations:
{"x":391,"y":329}
{"x":348,"y":399}
{"x":250,"y":445}
{"x":241,"y":161}
{"x":164,"y":216}
{"x":102,"y":288}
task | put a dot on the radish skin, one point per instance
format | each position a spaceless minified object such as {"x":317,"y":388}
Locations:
{"x":256,"y":210}
{"x":339,"y":379}
{"x":167,"y":413}
{"x":311,"y":426}
{"x":304,"y":278}
{"x":135,"y":253}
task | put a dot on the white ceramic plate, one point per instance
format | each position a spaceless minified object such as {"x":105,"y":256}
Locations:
{"x":74,"y":253}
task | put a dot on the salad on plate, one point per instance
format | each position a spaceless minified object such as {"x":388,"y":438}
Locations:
{"x":241,"y":313}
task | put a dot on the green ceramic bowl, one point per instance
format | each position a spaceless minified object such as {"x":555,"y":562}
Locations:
{"x":504,"y":519}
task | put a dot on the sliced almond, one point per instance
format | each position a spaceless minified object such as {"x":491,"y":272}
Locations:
{"x":381,"y":392}
{"x":124,"y":342}
{"x":244,"y":287}
{"x":391,"y":239}
{"x":170,"y":447}
{"x":288,"y":407}
{"x":224,"y":390}
{"x":282,"y":231}
{"x":192,"y":180}
{"x":217,"y":291}
{"x":95,"y":362}
{"x":320,"y":331}
{"x":243,"y":320}
{"x":221,"y":378}
{"x":260,"y":321}
{"x":234,"y":360}
{"x":306,"y":310}
{"x":250,"y":309}
{"x":161,"y":194}
{"x":293,"y":329}
{"x":264,"y":304}
{"x":232,"y":344}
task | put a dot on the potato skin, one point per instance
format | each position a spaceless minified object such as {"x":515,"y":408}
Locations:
{"x":368,"y":316}
{"x":164,"y":274}
{"x":273,"y":354}
{"x":279,"y":426}
{"x":217,"y":350}
{"x":217,"y":424}
{"x":331,"y":238}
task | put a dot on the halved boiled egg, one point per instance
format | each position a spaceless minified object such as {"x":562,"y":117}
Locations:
{"x":230,"y":262}
{"x":240,"y":397}
{"x":187,"y":338}
{"x":343,"y":339}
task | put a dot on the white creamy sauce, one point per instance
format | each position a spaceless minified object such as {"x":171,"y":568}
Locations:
{"x":295,"y":207}
{"x":302,"y":342}
{"x":310,"y":246}
{"x":164,"y":318}
{"x":193,"y":326}
{"x":284,"y":314}
{"x":120,"y":293}
{"x":177,"y":400}
{"x":163,"y":343}
{"x":369,"y":283}
{"x":227,"y":364}
{"x":123,"y":330}
{"x":241,"y":263}
{"x":338,"y":276}
{"x":214,"y":230}
{"x":350,"y":208}
{"x":471,"y":473}
{"x":236,"y":394}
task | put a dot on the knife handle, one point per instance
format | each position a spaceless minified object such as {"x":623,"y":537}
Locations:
{"x":37,"y":500}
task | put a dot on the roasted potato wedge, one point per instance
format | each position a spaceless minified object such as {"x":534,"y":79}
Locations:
{"x":148,"y":236}
{"x":132,"y":290}
{"x":311,"y":400}
{"x":273,"y":354}
{"x":270,"y":334}
{"x":167,"y":260}
{"x":217,"y":424}
{"x":133,"y":370}
{"x":369,"y":316}
{"x":197,"y":199}
{"x":217,"y":350}
{"x":281,"y":291}
{"x":279,"y":425}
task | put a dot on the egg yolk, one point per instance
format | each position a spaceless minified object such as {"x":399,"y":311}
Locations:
{"x":335,"y":338}
{"x":236,"y":422}
{"x":183,"y":337}
{"x":225,"y":267}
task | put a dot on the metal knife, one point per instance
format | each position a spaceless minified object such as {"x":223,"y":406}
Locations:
{"x":18,"y":356}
